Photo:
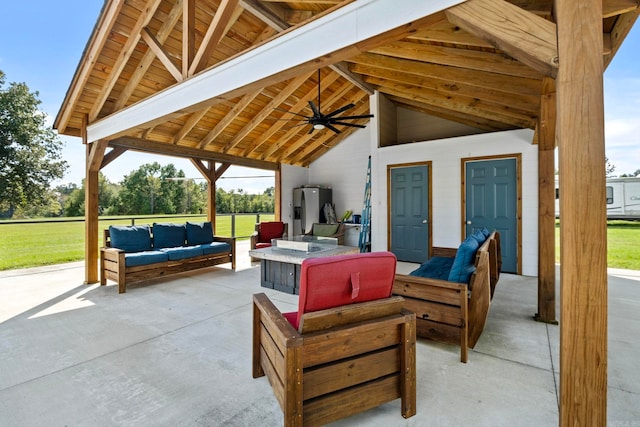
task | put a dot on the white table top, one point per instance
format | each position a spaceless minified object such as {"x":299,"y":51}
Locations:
{"x":296,"y":257}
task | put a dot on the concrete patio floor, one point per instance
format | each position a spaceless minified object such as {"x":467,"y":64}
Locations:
{"x":177,"y":352}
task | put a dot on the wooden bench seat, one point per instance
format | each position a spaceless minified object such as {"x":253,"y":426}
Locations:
{"x":113,"y":265}
{"x":454,"y":312}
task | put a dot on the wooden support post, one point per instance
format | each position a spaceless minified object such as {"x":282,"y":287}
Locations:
{"x":95,"y":155}
{"x":583,"y":232}
{"x":277,"y":197}
{"x":546,"y":204}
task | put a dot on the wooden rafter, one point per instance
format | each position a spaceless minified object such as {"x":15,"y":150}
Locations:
{"x":122,"y":59}
{"x":523,"y":35}
{"x":189,"y":124}
{"x":155,"y":46}
{"x":188,"y":35}
{"x":231,"y":115}
{"x":217,"y":29}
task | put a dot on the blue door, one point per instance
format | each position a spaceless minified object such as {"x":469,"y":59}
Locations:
{"x":492,"y":202}
{"x":410,"y":213}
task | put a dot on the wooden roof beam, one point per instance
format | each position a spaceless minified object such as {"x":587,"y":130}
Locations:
{"x":228,"y":118}
{"x":343,"y":32}
{"x":149,"y":56}
{"x":523,"y":35}
{"x":271,"y":19}
{"x":147,"y":146}
{"x":132,"y":41}
{"x":156,"y":47}
{"x":619,"y":32}
{"x":100,"y":35}
{"x":217,"y":29}
{"x":291,"y":87}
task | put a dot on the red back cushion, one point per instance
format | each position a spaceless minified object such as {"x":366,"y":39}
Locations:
{"x":340,"y":280}
{"x":270,"y":230}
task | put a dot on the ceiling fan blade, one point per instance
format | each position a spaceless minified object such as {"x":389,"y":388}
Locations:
{"x":310,"y":130}
{"x":340,"y":110}
{"x":348,"y":124}
{"x":316,"y":112}
{"x":363,"y":116}
{"x":333,"y":128}
{"x":290,"y":112}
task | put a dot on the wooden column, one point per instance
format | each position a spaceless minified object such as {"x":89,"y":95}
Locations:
{"x":583,"y":233}
{"x":95,"y":155}
{"x":546,"y":204}
{"x":277,"y":197}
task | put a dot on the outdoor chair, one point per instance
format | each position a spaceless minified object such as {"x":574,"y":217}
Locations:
{"x":349,"y":347}
{"x":265,"y":231}
{"x":335,"y":231}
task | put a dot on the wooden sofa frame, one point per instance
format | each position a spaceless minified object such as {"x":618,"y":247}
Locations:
{"x":454,"y":312}
{"x":113,"y":267}
{"x":343,"y":360}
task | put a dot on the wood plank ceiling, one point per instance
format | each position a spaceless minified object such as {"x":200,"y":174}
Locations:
{"x":141,"y":47}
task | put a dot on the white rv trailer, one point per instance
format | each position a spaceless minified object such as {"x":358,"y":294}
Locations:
{"x":623,"y":198}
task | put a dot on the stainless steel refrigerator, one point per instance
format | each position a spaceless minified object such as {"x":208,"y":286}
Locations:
{"x":307,"y":207}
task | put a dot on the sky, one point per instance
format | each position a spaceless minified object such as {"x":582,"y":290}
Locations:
{"x":41,"y":42}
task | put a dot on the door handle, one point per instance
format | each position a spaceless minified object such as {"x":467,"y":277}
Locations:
{"x":424,"y":221}
{"x":468,"y":222}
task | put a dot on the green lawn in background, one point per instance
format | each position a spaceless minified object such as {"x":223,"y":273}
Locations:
{"x":623,"y":244}
{"x":30,"y":245}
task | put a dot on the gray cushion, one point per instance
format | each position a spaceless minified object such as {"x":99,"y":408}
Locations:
{"x":325,"y":230}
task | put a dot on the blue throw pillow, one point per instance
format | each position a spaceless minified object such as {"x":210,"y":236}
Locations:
{"x":168,"y":235}
{"x":463,"y":263}
{"x":199,"y":233}
{"x":130,"y":238}
{"x":479,"y":236}
{"x":485,"y":232}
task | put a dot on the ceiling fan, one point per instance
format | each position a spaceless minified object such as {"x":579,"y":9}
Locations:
{"x":320,"y":121}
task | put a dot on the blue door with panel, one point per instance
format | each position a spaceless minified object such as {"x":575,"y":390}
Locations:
{"x":492,"y":202}
{"x":409,"y":213}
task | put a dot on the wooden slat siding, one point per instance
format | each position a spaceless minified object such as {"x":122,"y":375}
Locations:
{"x":322,"y":347}
{"x":341,"y":375}
{"x":480,"y":299}
{"x":408,"y":365}
{"x":444,"y":292}
{"x":348,"y":402}
{"x":436,"y":311}
{"x":349,"y":314}
{"x":583,"y":217}
{"x":274,"y":378}
{"x":438,"y":331}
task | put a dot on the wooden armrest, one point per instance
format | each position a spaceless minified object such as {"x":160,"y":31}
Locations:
{"x":230,"y":240}
{"x":278,"y":326}
{"x":426,"y":281}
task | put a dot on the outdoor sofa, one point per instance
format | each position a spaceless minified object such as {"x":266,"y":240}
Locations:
{"x":139,"y":252}
{"x":451,"y":293}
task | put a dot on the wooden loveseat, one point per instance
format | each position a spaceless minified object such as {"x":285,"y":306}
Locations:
{"x":134,"y":253}
{"x":448,"y":310}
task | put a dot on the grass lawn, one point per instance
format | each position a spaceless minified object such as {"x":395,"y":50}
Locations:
{"x":623,"y":244}
{"x":30,"y":245}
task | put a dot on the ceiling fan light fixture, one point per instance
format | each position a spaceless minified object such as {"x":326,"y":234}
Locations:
{"x":318,"y":126}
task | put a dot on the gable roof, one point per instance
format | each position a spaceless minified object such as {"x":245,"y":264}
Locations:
{"x":481,"y":63}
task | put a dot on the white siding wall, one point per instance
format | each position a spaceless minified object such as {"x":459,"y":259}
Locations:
{"x":344,"y":169}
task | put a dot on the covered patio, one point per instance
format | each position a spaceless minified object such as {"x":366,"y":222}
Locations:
{"x":177,"y":351}
{"x":219,"y":82}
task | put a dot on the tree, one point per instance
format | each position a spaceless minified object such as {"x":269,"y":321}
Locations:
{"x":608,"y":167}
{"x":107,"y":197}
{"x":150,"y":189}
{"x":30,"y":151}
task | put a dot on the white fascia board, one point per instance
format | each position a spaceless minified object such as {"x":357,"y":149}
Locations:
{"x":351,"y":24}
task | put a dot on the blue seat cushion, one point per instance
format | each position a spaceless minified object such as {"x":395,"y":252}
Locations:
{"x":168,"y":235}
{"x":130,"y":238}
{"x":184,"y":252}
{"x":199,"y":233}
{"x":434,"y":268}
{"x":463,"y":267}
{"x":144,"y":258}
{"x":214,"y":248}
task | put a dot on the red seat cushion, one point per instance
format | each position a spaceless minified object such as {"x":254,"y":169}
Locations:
{"x":340,"y":280}
{"x":270,"y":230}
{"x":260,"y":245}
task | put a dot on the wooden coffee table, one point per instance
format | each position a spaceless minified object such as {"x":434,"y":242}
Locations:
{"x":280,"y":268}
